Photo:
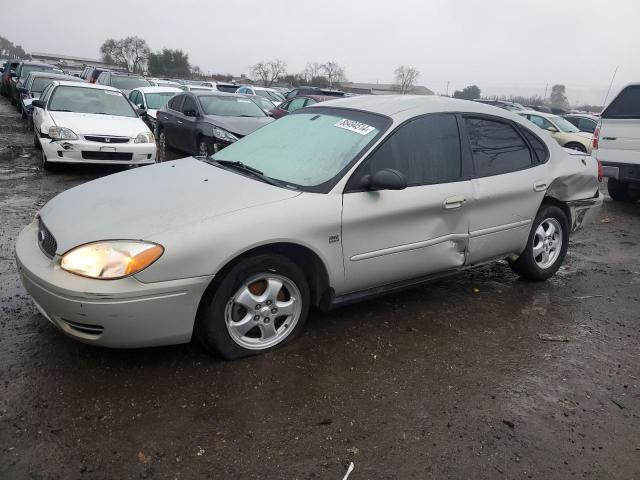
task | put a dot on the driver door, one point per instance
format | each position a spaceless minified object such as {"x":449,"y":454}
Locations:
{"x":390,"y":236}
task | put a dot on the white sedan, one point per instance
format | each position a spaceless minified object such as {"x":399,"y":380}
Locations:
{"x":87,"y":123}
{"x":151,"y":99}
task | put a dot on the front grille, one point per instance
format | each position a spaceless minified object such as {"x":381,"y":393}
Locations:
{"x":102,"y":139}
{"x":89,"y":155}
{"x":85,"y":328}
{"x":46,"y":240}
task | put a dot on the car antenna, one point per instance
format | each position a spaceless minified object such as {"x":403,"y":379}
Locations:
{"x":604,"y":104}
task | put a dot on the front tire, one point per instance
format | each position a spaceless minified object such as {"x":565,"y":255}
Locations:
{"x":259,"y":305}
{"x":204,"y":148}
{"x":46,"y":164}
{"x":546,"y":246}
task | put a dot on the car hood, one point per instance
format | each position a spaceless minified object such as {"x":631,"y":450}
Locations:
{"x":150,"y":202}
{"x":239,"y":125}
{"x":90,"y":123}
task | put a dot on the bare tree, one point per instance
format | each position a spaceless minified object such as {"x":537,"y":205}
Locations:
{"x":406,"y":78}
{"x":311,"y":71}
{"x":333,"y":72}
{"x":268,"y":72}
{"x":131,"y":53}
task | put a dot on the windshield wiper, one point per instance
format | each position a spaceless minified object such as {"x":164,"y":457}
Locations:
{"x":245,"y":168}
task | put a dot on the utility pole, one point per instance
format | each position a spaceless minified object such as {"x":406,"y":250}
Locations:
{"x":545,"y":92}
{"x":448,"y":82}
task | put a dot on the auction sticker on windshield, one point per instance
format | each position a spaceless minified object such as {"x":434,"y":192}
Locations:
{"x":109,"y":92}
{"x":353,"y":126}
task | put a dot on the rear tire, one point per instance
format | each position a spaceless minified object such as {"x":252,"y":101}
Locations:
{"x":619,"y":191}
{"x":258,"y":306}
{"x":546,"y":246}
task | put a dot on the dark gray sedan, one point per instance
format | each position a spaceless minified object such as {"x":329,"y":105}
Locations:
{"x":202,"y":123}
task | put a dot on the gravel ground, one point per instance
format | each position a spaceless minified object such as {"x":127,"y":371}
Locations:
{"x":451,"y":380}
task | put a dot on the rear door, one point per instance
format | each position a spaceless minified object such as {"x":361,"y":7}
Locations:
{"x":510,"y":184}
{"x":395,"y":235}
{"x":619,"y":140}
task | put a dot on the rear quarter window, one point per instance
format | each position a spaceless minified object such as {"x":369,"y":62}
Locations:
{"x":625,"y":105}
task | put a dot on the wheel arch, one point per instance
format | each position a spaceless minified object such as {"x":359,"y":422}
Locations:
{"x":551,"y":200}
{"x":314,"y":269}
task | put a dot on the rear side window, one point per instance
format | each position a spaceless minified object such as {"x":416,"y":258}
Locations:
{"x":539,"y":148}
{"x":426,"y":150}
{"x":496,"y":146}
{"x":625,"y":105}
{"x":176,"y":103}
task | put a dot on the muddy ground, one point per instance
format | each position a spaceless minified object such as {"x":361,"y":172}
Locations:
{"x":449,"y":380}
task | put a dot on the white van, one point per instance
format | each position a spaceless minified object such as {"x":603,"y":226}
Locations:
{"x":616,"y":144}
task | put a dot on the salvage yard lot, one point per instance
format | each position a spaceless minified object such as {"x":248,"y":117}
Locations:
{"x":462,"y":378}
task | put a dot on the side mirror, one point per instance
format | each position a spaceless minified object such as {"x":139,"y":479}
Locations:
{"x":270,"y":114}
{"x":38,"y":104}
{"x":190,"y":113}
{"x":386,"y":179}
{"x":13,"y":74}
{"x":141,"y":112}
{"x":552,"y":129}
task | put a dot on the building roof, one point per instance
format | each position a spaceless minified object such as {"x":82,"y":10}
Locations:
{"x":383,"y":88}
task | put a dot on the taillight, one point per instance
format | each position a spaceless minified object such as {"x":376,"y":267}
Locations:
{"x":596,"y":137}
{"x":600,"y":171}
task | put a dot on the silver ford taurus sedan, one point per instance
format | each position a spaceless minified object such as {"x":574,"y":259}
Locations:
{"x":334,"y":203}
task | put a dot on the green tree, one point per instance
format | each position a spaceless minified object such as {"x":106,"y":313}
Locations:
{"x":171,"y":63}
{"x":8,"y":49}
{"x":468,"y":93}
{"x":558,"y":97}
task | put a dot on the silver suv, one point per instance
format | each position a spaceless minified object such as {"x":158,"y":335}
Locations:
{"x":332,"y":204}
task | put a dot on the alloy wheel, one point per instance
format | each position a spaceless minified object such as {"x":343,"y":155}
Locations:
{"x":547,"y":243}
{"x":263,"y":311}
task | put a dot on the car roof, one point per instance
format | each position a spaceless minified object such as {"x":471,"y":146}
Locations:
{"x":67,"y":83}
{"x":406,"y":106}
{"x":55,"y":76}
{"x":317,"y":98}
{"x":159,"y":89}
{"x":585,"y":115}
{"x":536,"y":112}
{"x":29,"y":62}
{"x":217,"y":93}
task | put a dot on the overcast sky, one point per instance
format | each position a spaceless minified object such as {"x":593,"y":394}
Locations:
{"x":503,"y":46}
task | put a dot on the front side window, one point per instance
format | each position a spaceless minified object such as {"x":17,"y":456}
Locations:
{"x":128,"y":83}
{"x":310,"y":151}
{"x":90,"y":100}
{"x":625,"y":105}
{"x":496,"y":146}
{"x":586,"y":125}
{"x":563,"y":125}
{"x":541,"y":122}
{"x":189,"y":105}
{"x":425,"y":150}
{"x":40,"y":83}
{"x":229,"y":106}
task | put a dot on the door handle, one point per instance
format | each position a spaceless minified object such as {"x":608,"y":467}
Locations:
{"x":180,"y":122}
{"x":454,"y":202}
{"x":540,"y":186}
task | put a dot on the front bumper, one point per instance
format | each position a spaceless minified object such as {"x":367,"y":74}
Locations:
{"x":583,"y":212}
{"x":83,"y":151}
{"x":121,"y":313}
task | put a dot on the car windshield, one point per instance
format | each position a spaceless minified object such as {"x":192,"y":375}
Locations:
{"x":158,"y":99}
{"x":273,"y":96}
{"x":128,"y":83}
{"x":229,"y":106}
{"x":264,"y":103}
{"x":90,"y":100}
{"x":304,"y":149}
{"x":564,"y":125}
{"x":36,"y":68}
{"x":40,"y":83}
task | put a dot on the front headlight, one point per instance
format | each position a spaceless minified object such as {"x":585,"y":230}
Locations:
{"x":111,"y":259}
{"x":62,"y":133}
{"x":223,"y":135}
{"x":145,"y":137}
